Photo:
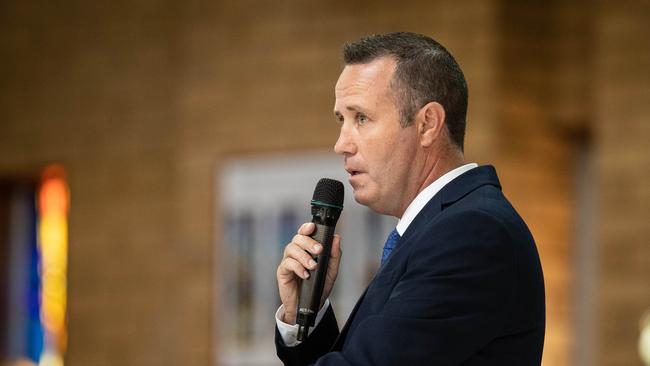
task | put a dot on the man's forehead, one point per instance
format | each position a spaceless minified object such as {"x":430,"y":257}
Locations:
{"x":374,"y":76}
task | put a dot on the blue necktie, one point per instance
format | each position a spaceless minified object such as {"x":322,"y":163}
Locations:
{"x":392,"y":239}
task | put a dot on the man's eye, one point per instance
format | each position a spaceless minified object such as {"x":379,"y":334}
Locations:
{"x":361,"y":118}
{"x":339,"y":118}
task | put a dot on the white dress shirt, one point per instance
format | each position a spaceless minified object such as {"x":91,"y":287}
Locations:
{"x":289,"y":332}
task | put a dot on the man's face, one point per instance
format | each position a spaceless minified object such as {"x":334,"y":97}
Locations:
{"x":378,"y":152}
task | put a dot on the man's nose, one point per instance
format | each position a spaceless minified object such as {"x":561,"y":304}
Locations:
{"x":345,"y":144}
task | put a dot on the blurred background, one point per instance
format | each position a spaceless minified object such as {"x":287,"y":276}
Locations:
{"x":155,"y":156}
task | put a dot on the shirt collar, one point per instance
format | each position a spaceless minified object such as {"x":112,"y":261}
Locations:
{"x":427,"y":193}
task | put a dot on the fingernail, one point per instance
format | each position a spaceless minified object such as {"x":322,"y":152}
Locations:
{"x":317,"y":248}
{"x":305,"y":275}
{"x":312,"y":263}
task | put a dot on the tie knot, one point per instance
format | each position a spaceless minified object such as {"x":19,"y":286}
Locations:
{"x":392,"y":239}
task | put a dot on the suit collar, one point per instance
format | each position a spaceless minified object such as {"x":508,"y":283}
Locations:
{"x":452,"y":192}
{"x":468,"y":182}
{"x":425,"y":195}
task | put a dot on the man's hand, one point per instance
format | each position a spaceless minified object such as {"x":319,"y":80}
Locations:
{"x":295,"y":264}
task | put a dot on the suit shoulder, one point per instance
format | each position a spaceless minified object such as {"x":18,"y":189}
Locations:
{"x":463,"y":232}
{"x":489,"y":204}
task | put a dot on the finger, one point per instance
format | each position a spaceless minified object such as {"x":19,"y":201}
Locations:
{"x":336,"y":247}
{"x":307,"y":243}
{"x":335,"y":256}
{"x":290,"y":265}
{"x":295,"y":252}
{"x":306,"y":228}
{"x":332,"y":266}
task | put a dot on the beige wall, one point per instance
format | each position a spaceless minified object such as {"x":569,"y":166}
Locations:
{"x":141,"y":101}
{"x":622,"y":142}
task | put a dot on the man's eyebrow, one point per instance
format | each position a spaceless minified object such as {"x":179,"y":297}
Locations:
{"x":353,"y":108}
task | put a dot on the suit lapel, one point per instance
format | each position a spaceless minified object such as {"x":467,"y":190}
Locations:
{"x":344,"y":332}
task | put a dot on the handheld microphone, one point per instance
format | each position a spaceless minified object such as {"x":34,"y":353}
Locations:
{"x":326,"y":206}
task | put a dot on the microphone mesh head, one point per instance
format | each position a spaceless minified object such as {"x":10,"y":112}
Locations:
{"x":329,"y":191}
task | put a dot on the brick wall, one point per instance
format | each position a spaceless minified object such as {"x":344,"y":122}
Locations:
{"x":92,"y":86}
{"x":622,"y":121}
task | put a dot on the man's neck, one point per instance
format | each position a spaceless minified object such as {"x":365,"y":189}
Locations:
{"x":443,"y":164}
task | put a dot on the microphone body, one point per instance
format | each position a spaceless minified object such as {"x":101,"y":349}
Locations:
{"x":326,"y":208}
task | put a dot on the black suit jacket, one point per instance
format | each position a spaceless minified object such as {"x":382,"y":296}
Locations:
{"x":463,"y":286}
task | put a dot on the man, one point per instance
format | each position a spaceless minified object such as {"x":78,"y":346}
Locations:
{"x":460,"y":281}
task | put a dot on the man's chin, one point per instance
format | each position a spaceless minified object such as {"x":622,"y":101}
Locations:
{"x":360,"y":198}
{"x":372,"y":202}
{"x":363,"y":198}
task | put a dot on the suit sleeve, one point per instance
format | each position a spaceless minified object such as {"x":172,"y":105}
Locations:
{"x":317,"y":343}
{"x":450,"y":302}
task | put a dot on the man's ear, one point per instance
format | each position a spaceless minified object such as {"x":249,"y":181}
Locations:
{"x":430,"y":122}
